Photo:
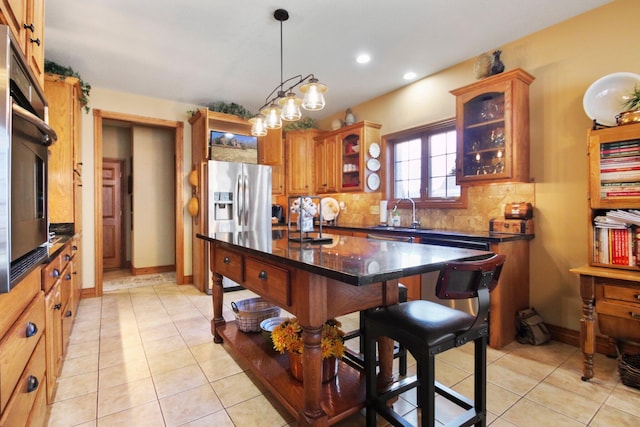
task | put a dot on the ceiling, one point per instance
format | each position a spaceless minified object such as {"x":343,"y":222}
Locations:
{"x":203,"y":51}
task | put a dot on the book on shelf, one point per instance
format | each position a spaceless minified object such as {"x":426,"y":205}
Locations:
{"x":617,"y":237}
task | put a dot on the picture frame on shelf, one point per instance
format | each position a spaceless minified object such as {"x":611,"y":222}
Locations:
{"x":233,"y":147}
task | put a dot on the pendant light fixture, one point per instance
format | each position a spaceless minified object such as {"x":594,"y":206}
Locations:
{"x":283,"y":104}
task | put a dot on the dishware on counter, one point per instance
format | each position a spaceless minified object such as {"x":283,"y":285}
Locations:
{"x":330,"y":208}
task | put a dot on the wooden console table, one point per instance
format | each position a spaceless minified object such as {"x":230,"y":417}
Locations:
{"x":315,"y":283}
{"x":613,"y":294}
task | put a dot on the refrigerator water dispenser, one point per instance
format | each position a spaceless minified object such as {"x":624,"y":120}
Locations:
{"x":223,"y":205}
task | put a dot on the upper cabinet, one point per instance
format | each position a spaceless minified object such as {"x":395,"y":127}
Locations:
{"x":492,"y":123}
{"x":352,"y":148}
{"x":326,"y":164}
{"x":270,"y":149}
{"x":26,"y":20}
{"x":614,"y":194}
{"x":300,"y":161}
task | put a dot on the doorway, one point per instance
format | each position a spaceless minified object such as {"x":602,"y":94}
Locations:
{"x":177,"y":128}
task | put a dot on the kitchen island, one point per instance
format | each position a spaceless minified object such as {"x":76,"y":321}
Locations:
{"x":315,"y":282}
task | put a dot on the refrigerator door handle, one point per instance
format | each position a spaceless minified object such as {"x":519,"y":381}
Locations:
{"x":240,"y":199}
{"x":247,"y":194}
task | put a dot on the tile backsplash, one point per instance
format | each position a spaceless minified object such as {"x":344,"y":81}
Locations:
{"x":485,"y":202}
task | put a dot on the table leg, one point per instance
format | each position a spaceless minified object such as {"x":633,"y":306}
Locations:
{"x":312,"y":413}
{"x":587,"y":325}
{"x":385,"y":345}
{"x":217,"y":292}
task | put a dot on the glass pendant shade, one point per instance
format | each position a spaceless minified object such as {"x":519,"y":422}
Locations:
{"x":257,"y":126}
{"x":313,"y":98}
{"x":290,"y":107}
{"x":272,"y":114}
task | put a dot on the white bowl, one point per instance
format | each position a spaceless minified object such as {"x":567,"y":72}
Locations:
{"x":605,"y":98}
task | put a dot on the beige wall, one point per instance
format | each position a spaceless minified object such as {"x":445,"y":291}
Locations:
{"x":565,"y":59}
{"x":153,"y":243}
{"x":112,"y":101}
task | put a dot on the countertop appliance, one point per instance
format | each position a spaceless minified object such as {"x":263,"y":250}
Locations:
{"x":24,"y":137}
{"x":277,"y":212}
{"x":239,"y":200}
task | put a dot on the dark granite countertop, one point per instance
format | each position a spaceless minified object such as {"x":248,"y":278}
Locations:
{"x":353,"y":260}
{"x":478,"y":236}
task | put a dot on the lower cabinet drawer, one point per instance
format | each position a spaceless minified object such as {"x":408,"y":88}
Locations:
{"x":228,"y":264}
{"x":619,"y":320}
{"x":50,"y":273}
{"x":620,"y":293}
{"x":29,"y":386}
{"x":274,"y":281}
{"x":18,"y":344}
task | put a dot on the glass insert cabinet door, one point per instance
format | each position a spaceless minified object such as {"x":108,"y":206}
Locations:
{"x":484,"y":139}
{"x":492,"y":122}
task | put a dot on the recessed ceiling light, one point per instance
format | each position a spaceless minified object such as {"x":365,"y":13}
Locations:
{"x":409,"y":75}
{"x":363,"y":58}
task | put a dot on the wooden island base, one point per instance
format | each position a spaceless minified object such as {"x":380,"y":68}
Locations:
{"x":341,"y":397}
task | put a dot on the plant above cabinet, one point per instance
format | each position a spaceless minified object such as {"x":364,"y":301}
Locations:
{"x":62,"y":71}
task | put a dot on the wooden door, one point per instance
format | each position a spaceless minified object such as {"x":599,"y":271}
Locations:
{"x":112,"y":218}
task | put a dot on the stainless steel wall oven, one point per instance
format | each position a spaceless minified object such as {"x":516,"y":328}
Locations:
{"x":24,"y":138}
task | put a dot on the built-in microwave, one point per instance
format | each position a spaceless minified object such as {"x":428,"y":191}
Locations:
{"x":24,"y":140}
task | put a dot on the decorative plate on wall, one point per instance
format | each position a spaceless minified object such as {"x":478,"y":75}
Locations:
{"x":373,"y":165}
{"x":373,"y":182}
{"x":374,"y":150}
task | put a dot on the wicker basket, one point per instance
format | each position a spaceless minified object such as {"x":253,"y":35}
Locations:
{"x":629,"y":369}
{"x":250,"y":312}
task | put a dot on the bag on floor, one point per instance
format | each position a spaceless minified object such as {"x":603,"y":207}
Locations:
{"x":531,"y":328}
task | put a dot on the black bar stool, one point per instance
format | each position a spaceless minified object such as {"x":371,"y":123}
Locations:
{"x":399,"y":352}
{"x":428,"y":328}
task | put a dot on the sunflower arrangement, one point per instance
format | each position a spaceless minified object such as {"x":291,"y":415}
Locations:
{"x":287,"y":336}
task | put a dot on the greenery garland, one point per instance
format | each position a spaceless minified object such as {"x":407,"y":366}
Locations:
{"x":85,"y":88}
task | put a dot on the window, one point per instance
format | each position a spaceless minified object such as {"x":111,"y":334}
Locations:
{"x":422,"y":166}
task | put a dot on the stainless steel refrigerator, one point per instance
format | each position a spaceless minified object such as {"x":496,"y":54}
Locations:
{"x":239,"y":201}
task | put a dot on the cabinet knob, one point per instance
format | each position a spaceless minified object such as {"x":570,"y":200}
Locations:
{"x":67,"y":257}
{"x":29,"y":27}
{"x":69,"y":313}
{"x":57,"y":306}
{"x":55,"y":273}
{"x":67,"y":277}
{"x":32,"y":329}
{"x":262,"y":275}
{"x":637,"y":296}
{"x":36,"y":41}
{"x":32,"y":383}
{"x":226,"y":260}
{"x":634,"y":315}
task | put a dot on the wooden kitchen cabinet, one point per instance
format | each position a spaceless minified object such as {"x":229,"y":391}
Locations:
{"x":270,"y":148}
{"x":326,"y":164}
{"x":60,"y":311}
{"x":65,"y":162}
{"x":300,"y":161}
{"x":25,"y":18}
{"x":351,"y":145}
{"x":492,"y":124}
{"x":277,"y":180}
{"x":610,"y":283}
{"x":614,"y":184}
{"x":22,"y":353}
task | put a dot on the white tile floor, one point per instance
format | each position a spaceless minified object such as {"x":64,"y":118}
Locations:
{"x":145,"y":357}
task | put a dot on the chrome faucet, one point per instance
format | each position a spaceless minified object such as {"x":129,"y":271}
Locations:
{"x":414,"y":223}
